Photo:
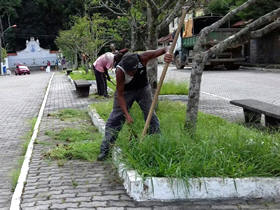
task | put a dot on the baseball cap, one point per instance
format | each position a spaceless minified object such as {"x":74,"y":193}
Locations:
{"x":129,"y":62}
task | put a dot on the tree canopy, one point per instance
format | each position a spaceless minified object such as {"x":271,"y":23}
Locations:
{"x":39,"y":18}
{"x":87,"y":37}
{"x":261,"y":7}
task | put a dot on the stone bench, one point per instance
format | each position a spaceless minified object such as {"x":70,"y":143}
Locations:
{"x":82,"y":87}
{"x":68,"y":71}
{"x":253,"y":109}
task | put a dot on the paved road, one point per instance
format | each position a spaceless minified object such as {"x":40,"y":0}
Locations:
{"x":219,"y":87}
{"x":20,"y":100}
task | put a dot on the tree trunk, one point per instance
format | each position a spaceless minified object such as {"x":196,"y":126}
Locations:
{"x":75,"y":61}
{"x":9,"y":20}
{"x":82,"y":60}
{"x":133,"y":35}
{"x":194,"y":93}
{"x":152,"y":45}
{"x":86,"y":65}
{"x":200,"y":58}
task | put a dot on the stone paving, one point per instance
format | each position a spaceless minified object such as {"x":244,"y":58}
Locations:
{"x":94,"y":185}
{"x":20,"y":99}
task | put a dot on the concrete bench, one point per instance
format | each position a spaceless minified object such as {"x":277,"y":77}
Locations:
{"x":68,"y":71}
{"x":253,"y":109}
{"x":82,"y":87}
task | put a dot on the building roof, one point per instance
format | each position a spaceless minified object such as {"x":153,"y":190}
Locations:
{"x":241,"y":23}
{"x":12,"y":54}
{"x":167,"y":38}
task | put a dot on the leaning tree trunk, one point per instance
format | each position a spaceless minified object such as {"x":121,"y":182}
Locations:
{"x":200,"y":58}
{"x":152,"y":45}
{"x":194,"y":91}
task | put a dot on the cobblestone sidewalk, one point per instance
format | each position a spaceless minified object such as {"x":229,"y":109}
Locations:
{"x":96,"y":185}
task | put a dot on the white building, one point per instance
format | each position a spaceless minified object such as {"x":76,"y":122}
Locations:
{"x":32,"y":55}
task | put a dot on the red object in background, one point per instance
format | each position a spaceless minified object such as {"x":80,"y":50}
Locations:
{"x":21,"y":69}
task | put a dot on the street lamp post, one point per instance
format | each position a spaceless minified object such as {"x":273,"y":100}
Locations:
{"x":2,"y":34}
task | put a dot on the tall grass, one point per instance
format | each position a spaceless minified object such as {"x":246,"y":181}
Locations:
{"x":69,"y":114}
{"x":82,"y":75}
{"x":81,"y":142}
{"x":75,"y":134}
{"x":168,"y":88}
{"x":219,"y":149}
{"x":174,"y":88}
{"x":112,"y":85}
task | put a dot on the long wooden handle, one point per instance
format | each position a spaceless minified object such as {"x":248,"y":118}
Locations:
{"x":182,"y":19}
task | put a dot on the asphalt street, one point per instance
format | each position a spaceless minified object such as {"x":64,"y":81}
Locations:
{"x":220,"y":86}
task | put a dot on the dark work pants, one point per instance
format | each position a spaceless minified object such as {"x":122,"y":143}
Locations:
{"x":116,"y":119}
{"x":101,"y":83}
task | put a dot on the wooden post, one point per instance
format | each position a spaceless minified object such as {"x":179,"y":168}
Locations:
{"x":171,"y":49}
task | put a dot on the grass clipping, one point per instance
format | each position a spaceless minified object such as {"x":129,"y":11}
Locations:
{"x":80,"y":141}
{"x":220,"y":148}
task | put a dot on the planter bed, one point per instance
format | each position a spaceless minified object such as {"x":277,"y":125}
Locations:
{"x":166,"y":189}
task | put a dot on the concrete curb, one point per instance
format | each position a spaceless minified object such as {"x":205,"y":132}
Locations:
{"x":96,"y":120}
{"x":173,"y":97}
{"x":16,"y":199}
{"x":170,"y":189}
{"x":70,"y":79}
{"x":260,"y":69}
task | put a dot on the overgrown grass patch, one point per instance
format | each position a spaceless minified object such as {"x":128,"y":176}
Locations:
{"x":219,"y":149}
{"x":82,"y":141}
{"x":103,"y":108}
{"x":70,"y":114}
{"x":174,"y":88}
{"x":82,"y":75}
{"x":88,"y":150}
{"x":112,"y":84}
{"x":168,"y":88}
{"x":74,"y":134}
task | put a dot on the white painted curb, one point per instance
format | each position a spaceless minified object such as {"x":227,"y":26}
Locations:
{"x":275,"y":70}
{"x":16,"y":199}
{"x":165,"y":189}
{"x":70,"y":79}
{"x":96,"y":120}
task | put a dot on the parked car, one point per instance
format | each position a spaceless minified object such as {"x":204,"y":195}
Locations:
{"x":21,"y":69}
